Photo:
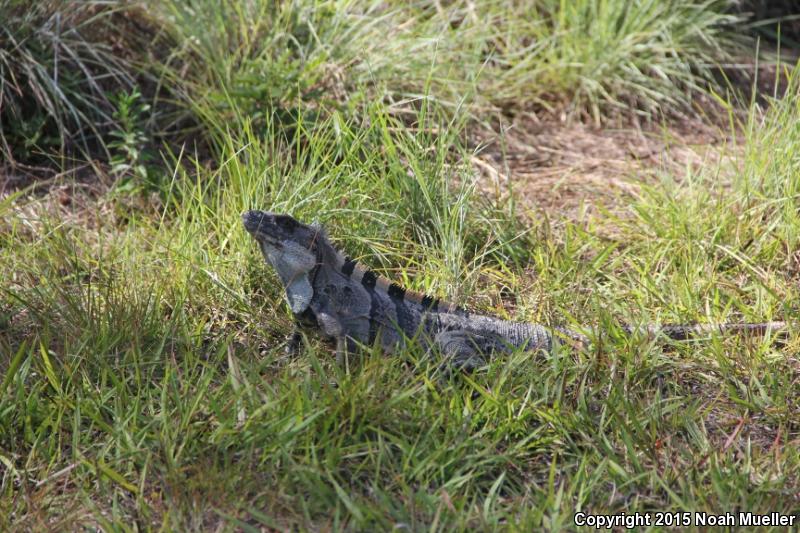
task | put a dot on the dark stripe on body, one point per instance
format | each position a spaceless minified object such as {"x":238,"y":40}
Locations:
{"x":396,"y":292}
{"x":405,"y":317}
{"x":430,"y":304}
{"x":373,"y":310}
{"x":348,"y":267}
{"x":369,"y":279}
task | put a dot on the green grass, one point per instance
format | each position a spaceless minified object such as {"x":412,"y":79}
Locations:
{"x":144,"y":383}
{"x":145,"y":355}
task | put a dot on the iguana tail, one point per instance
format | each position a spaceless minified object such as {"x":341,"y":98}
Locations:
{"x":683,"y":332}
{"x":688,"y":331}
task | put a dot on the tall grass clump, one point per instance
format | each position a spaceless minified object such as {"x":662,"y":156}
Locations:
{"x":283,"y":61}
{"x":718,"y":243}
{"x":226,"y":62}
{"x":771,"y":162}
{"x":649,"y":56}
{"x":60,"y":64}
{"x":397,"y":195}
{"x":279,"y":60}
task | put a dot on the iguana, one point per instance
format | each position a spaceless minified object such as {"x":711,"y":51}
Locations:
{"x":351,"y":305}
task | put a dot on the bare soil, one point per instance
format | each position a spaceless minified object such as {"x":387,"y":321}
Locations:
{"x":568,"y":169}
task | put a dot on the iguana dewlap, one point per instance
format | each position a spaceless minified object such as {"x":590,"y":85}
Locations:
{"x":352,"y":305}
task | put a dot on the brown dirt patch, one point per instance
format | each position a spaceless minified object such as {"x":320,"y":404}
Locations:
{"x":567,"y":169}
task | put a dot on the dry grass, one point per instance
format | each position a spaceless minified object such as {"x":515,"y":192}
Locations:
{"x":569,"y":169}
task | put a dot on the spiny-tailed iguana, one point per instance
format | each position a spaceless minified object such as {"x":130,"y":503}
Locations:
{"x":352,"y":305}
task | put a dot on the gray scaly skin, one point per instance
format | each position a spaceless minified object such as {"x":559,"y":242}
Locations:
{"x":352,"y":305}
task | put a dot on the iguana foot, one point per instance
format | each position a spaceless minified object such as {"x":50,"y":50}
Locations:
{"x":293,"y":343}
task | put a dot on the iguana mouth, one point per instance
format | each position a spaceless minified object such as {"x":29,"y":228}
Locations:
{"x":254,"y":221}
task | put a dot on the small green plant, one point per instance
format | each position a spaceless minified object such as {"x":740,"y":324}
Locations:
{"x":129,"y":157}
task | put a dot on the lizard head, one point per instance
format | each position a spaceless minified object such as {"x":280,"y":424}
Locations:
{"x":291,"y":248}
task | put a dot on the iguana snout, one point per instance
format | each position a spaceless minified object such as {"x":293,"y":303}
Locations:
{"x":273,"y":229}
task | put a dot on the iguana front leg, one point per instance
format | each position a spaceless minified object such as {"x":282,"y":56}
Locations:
{"x":343,"y":347}
{"x":332,"y":327}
